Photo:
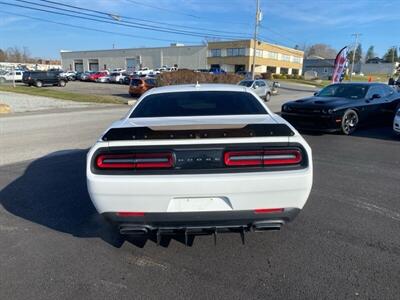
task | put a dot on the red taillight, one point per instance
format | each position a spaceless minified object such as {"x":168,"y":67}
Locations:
{"x":135,"y":161}
{"x":268,"y":210}
{"x":282,"y":157}
{"x":243,"y":158}
{"x":263,"y":157}
{"x":130,"y":214}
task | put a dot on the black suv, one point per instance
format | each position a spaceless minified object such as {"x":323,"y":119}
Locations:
{"x":41,"y":78}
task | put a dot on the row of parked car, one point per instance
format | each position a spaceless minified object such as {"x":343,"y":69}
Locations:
{"x":115,"y":76}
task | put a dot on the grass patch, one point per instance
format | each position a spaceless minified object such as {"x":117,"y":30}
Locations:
{"x":62,"y":95}
{"x":355,"y":78}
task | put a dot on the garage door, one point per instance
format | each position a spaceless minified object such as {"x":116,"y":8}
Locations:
{"x":94,"y":65}
{"x":78,"y":65}
{"x":132,"y":64}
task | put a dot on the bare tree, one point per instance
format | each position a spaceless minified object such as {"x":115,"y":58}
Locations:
{"x":3,"y":56}
{"x":322,"y":50}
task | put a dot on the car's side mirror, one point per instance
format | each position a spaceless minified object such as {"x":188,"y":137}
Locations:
{"x":375,"y":96}
{"x":316,"y":93}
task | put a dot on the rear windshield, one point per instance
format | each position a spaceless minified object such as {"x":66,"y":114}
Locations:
{"x":246,"y":83}
{"x":207,"y":103}
{"x":150,"y":81}
{"x":136,"y":82}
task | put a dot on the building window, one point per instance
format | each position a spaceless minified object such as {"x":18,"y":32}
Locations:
{"x":295,"y":72}
{"x":235,"y":52}
{"x":325,"y":70}
{"x":215,"y":52}
{"x":284,"y":71}
{"x":296,"y":59}
{"x":272,"y":55}
{"x":285,"y":57}
{"x":259,"y":53}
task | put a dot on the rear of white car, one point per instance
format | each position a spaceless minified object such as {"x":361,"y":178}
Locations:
{"x":181,"y":171}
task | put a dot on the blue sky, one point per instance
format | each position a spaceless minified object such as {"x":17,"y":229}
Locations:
{"x":287,"y":22}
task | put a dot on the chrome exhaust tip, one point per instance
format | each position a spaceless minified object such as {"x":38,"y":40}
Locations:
{"x":133,"y":230}
{"x":268,"y":225}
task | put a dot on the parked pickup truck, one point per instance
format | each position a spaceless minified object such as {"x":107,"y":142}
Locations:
{"x":10,"y":76}
{"x":144,"y":72}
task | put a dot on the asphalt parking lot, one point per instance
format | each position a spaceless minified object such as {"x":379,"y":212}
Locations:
{"x":287,"y":92}
{"x":95,"y":88}
{"x":345,"y":244}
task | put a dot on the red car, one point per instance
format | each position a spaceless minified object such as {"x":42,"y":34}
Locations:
{"x":94,"y":76}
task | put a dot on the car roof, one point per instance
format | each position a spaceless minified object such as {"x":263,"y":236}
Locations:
{"x":362,"y":83}
{"x":198,"y":87}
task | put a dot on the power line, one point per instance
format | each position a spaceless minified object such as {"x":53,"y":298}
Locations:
{"x":89,"y":28}
{"x":130,"y":24}
{"x":280,"y":34}
{"x":164,"y":9}
{"x":140,"y":19}
{"x":176,"y":12}
{"x":142,"y":26}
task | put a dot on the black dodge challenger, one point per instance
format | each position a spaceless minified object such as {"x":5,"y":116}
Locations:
{"x":343,"y":107}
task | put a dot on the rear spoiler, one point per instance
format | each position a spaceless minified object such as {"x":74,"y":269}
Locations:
{"x":146,"y":133}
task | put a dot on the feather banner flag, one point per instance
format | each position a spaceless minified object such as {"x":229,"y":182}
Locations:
{"x":340,"y":65}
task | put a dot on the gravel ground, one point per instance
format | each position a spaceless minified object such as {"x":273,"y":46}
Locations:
{"x":25,"y":103}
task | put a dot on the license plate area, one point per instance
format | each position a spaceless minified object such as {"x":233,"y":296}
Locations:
{"x":188,"y":204}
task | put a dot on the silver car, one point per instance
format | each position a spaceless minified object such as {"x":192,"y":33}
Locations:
{"x":261,"y":88}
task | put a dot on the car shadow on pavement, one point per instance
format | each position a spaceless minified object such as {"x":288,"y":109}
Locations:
{"x":382,"y":132}
{"x":51,"y":191}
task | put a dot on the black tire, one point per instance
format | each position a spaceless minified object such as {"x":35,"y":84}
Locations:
{"x":349,"y":122}
{"x":267,"y":97}
{"x":38,"y":84}
{"x":62,"y":83}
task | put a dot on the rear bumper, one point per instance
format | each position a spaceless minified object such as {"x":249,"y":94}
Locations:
{"x":203,"y":221}
{"x":313,"y":122}
{"x":237,"y":191}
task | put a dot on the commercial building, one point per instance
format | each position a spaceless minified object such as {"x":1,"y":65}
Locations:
{"x":322,"y":67}
{"x":232,"y":56}
{"x":190,"y":57}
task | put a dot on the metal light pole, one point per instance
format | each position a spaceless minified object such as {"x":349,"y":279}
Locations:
{"x":354,"y":53}
{"x":13,"y":75}
{"x":394,"y":48}
{"x":255,"y":38}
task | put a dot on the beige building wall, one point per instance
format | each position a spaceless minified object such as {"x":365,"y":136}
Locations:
{"x":233,"y":55}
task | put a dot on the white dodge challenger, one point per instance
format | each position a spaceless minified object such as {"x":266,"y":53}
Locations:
{"x":197,"y":159}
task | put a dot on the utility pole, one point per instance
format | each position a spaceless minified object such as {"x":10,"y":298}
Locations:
{"x":356,"y":35}
{"x":253,"y":67}
{"x":13,"y":75}
{"x":394,"y":48}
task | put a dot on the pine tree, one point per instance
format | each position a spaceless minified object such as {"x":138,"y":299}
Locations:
{"x":391,"y":55}
{"x":370,"y":53}
{"x":357,"y":57}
